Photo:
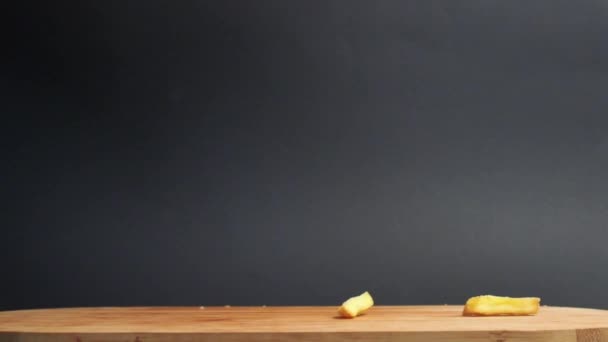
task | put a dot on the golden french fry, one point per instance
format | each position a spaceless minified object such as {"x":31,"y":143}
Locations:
{"x":489,"y":305}
{"x":356,"y":305}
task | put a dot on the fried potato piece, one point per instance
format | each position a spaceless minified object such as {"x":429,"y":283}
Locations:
{"x":489,"y":305}
{"x":355,"y":306}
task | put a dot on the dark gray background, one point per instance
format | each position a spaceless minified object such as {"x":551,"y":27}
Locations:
{"x":300,"y":152}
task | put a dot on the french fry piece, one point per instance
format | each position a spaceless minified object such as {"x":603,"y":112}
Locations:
{"x":355,"y":306}
{"x":489,"y":305}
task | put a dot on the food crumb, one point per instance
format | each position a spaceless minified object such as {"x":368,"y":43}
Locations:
{"x":226,"y":306}
{"x":202,"y":307}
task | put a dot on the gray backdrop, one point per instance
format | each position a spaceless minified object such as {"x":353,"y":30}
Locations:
{"x":300,"y":152}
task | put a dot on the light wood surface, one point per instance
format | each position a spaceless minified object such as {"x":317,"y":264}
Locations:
{"x":381,"y":323}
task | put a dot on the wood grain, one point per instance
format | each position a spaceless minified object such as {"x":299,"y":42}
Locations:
{"x":381,"y":323}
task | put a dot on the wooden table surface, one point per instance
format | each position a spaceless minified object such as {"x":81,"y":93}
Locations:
{"x":381,"y":323}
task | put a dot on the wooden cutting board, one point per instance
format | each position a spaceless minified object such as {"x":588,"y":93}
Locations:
{"x":381,"y":323}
